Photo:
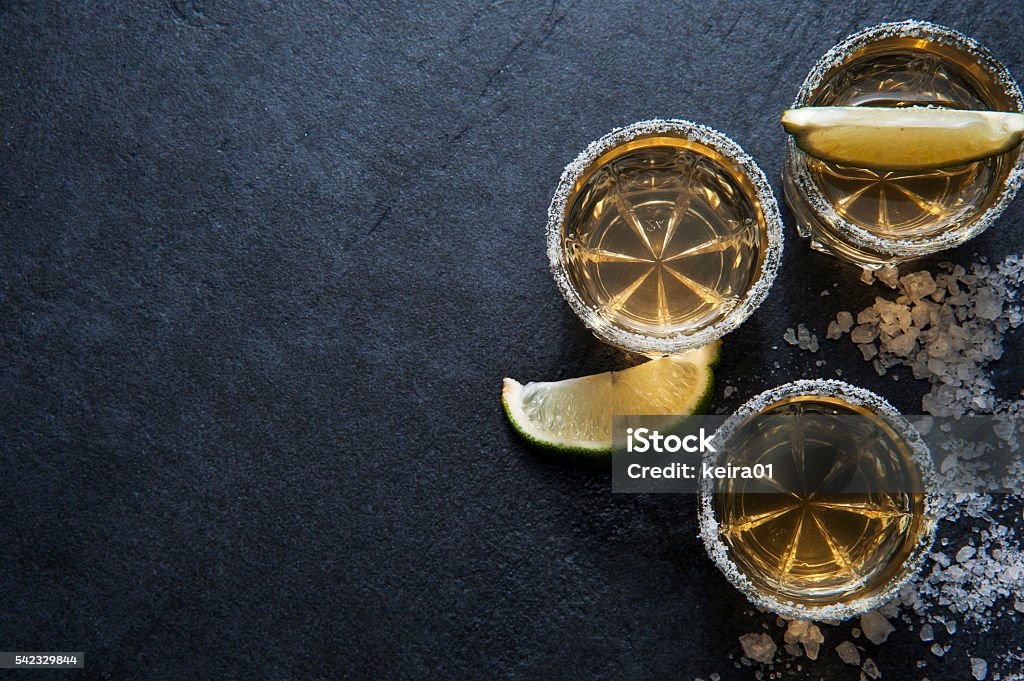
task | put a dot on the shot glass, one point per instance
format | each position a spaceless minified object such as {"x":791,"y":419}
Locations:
{"x":876,"y":218}
{"x":847,"y":514}
{"x":663,"y":236}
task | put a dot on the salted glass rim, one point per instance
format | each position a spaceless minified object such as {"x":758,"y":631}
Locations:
{"x":678,"y":342}
{"x":919,"y":455}
{"x":837,"y":55}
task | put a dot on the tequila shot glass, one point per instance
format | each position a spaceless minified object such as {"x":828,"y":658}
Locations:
{"x":846,"y":517}
{"x":663,"y":236}
{"x":876,"y":218}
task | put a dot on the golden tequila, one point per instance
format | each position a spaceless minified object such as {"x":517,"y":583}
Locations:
{"x":876,"y":217}
{"x":662,"y":237}
{"x":845,"y":518}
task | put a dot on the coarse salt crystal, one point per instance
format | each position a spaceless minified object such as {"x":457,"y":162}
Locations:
{"x":758,"y":647}
{"x":918,"y":285}
{"x":875,"y":627}
{"x":888,"y":275}
{"x":979,"y":668}
{"x":965,"y":554}
{"x":848,"y":653}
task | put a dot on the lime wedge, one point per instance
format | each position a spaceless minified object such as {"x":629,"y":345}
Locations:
{"x":902,"y":139}
{"x":575,"y":416}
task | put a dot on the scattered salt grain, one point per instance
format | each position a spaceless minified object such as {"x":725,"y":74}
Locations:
{"x":848,"y":653}
{"x":845,"y":321}
{"x":868,"y":315}
{"x":865,"y":333}
{"x":903,"y":344}
{"x":806,"y":633}
{"x":988,"y":305}
{"x":802,"y":338}
{"x":947,"y":328}
{"x":758,"y":647}
{"x":803,"y":335}
{"x":927,"y":633}
{"x":979,"y":668}
{"x":875,"y":627}
{"x":871,"y":669}
{"x":918,"y":285}
{"x":888,"y":276}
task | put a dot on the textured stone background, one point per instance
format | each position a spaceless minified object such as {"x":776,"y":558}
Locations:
{"x":262,"y":268}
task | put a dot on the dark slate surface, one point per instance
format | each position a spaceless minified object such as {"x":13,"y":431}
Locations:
{"x":262,"y":268}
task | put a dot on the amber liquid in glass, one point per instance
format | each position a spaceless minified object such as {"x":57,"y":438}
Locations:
{"x":842,"y":513}
{"x":909,"y":204}
{"x":662,"y":236}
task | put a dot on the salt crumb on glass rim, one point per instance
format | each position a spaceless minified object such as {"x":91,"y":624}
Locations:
{"x":960,"y":231}
{"x":663,"y":345}
{"x":919,"y":454}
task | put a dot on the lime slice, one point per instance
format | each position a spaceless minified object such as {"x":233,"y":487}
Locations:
{"x":575,"y":416}
{"x":902,"y":139}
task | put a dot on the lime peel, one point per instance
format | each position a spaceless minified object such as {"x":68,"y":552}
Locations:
{"x":574,"y":417}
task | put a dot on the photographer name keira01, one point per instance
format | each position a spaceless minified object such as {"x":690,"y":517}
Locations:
{"x":644,"y":440}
